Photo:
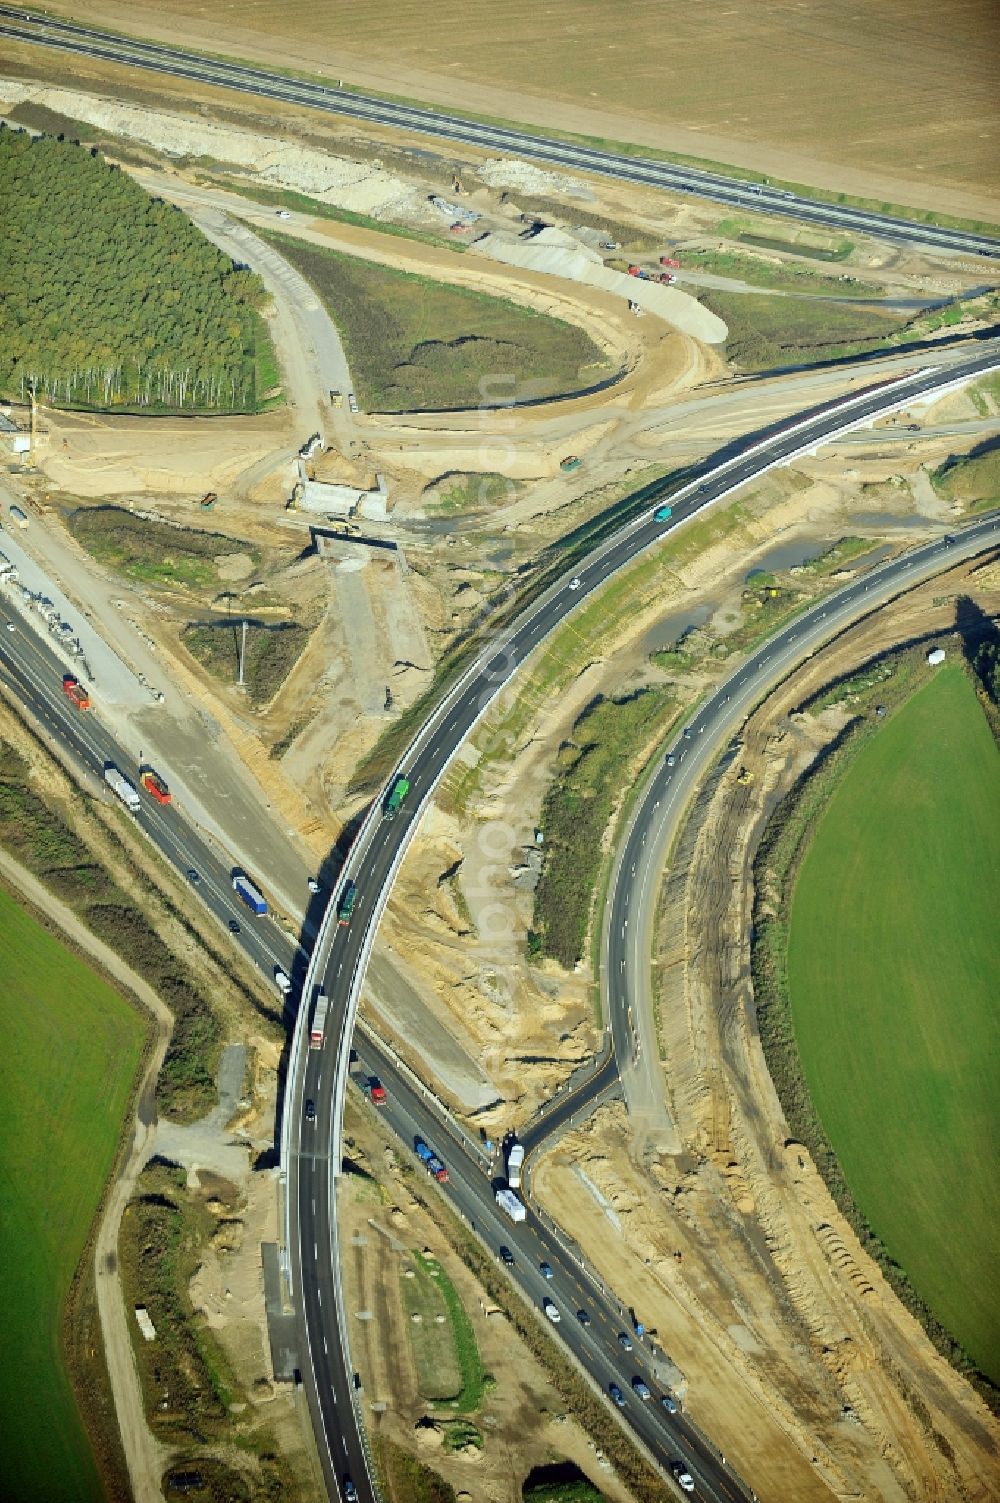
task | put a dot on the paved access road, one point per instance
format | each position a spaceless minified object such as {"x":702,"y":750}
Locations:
{"x":50,"y":32}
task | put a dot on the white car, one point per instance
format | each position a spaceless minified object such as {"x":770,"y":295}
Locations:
{"x":283,"y":214}
{"x":352,"y":401}
{"x":281,"y":981}
{"x":574,"y":584}
{"x":551,"y":1311}
{"x":312,"y":884}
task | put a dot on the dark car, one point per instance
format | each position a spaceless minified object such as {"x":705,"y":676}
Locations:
{"x":546,"y":1270}
{"x":507,"y":1257}
{"x":669,"y":1403}
{"x":193,"y":876}
{"x":617,"y":1395}
{"x":583,"y":1317}
{"x":350,"y":1491}
{"x":310,"y":1111}
{"x":234,"y":927}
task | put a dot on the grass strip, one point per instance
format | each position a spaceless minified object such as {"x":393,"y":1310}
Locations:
{"x":475,"y":1381}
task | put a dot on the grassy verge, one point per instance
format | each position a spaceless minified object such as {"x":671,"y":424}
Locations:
{"x":43,"y":841}
{"x":845,"y":551}
{"x":414,"y":344}
{"x":850,"y":1004}
{"x":72,"y":1047}
{"x":156,"y":553}
{"x":760,"y":273}
{"x":433,"y":1345}
{"x":473,"y":1379}
{"x":767,"y":332}
{"x":568,"y":1489}
{"x":830,"y":248}
{"x":460,"y":493}
{"x":594,"y":768}
{"x":405,"y":1479}
{"x":301,"y":203}
{"x":272,"y":650}
{"x":973,"y":479}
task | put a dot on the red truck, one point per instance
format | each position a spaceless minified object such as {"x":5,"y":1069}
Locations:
{"x":154,"y":785}
{"x":668,"y":261}
{"x":74,"y":691}
{"x":635,"y":271}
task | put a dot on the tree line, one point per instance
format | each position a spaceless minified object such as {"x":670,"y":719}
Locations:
{"x":113,"y":299}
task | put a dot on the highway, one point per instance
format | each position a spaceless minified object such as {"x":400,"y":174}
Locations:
{"x":630,"y":911}
{"x":312,"y":1151}
{"x":731,"y":191}
{"x":34,"y":671}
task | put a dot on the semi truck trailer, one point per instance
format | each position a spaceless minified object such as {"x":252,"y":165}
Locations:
{"x":318,"y":1028}
{"x":154,"y":785}
{"x":511,"y":1205}
{"x":515,"y":1158}
{"x":251,"y":895}
{"x":120,"y":785}
{"x":397,"y":793}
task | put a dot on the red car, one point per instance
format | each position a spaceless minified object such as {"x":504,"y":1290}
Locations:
{"x":377,"y":1091}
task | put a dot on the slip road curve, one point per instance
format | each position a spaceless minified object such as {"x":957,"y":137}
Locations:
{"x":47,"y":31}
{"x":311,"y":1152}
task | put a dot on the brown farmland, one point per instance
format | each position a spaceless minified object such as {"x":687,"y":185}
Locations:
{"x":895,"y":99}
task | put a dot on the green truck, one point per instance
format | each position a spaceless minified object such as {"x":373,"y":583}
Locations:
{"x":397,"y":794}
{"x":348,"y":898}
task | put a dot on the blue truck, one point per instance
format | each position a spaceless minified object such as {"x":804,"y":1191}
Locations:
{"x":252,"y":896}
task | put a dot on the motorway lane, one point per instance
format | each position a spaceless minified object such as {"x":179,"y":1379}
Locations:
{"x":90,"y":42}
{"x":34,"y":672}
{"x":635,"y":883}
{"x":471,"y":1192}
{"x":380,"y":846}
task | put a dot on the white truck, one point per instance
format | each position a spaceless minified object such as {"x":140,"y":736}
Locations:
{"x":515,"y":1158}
{"x":511,"y":1205}
{"x":125,"y":790}
{"x":319,"y":1021}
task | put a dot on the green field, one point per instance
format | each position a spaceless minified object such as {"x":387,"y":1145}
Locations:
{"x":71,"y":1050}
{"x":414,"y":344}
{"x":893,"y":976}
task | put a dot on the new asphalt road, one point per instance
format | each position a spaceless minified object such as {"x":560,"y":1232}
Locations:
{"x":378,"y":852}
{"x":51,"y":32}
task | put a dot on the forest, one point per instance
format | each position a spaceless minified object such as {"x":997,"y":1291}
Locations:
{"x":113,"y":300}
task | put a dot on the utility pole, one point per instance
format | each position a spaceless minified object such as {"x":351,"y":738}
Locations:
{"x":243,"y":648}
